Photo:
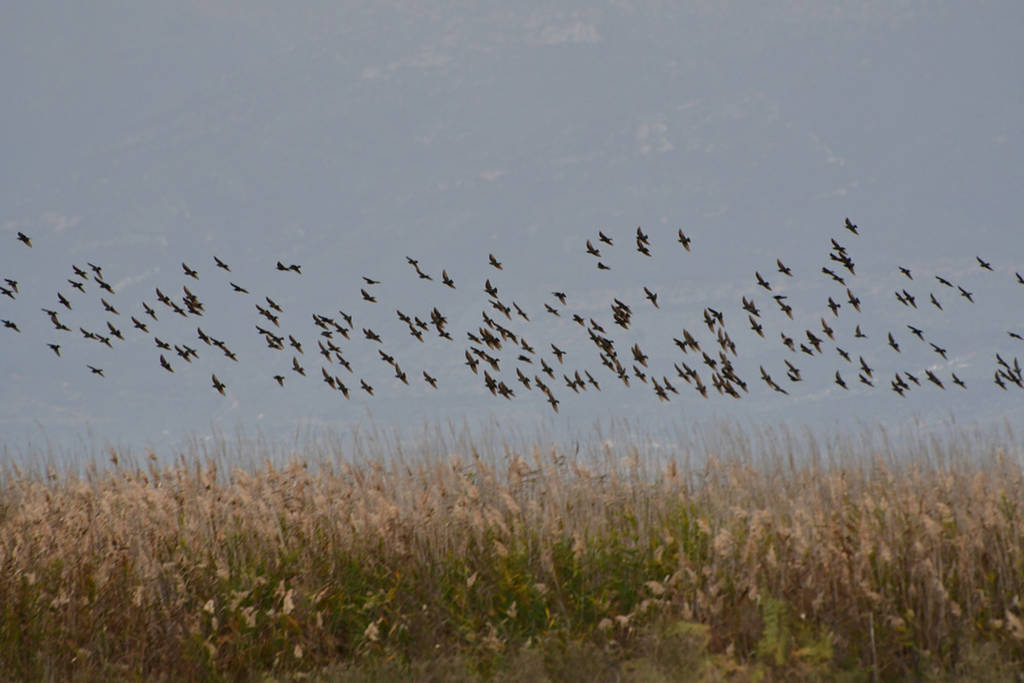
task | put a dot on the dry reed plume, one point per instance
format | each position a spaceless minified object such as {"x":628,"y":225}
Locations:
{"x":512,"y":562}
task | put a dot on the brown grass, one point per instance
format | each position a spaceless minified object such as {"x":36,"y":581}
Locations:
{"x":788,"y":558}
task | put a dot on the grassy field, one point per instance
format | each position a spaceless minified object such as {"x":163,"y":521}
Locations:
{"x":775,"y":557}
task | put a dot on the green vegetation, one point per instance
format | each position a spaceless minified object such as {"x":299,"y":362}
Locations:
{"x":520,"y":566}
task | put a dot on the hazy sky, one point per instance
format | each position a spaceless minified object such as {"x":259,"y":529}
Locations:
{"x":347,"y":136}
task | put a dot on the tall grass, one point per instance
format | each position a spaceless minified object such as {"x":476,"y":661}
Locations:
{"x":764,"y":554}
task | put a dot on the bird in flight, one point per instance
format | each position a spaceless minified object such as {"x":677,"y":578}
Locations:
{"x":652,"y":296}
{"x":221,"y":264}
{"x":684,"y":240}
{"x":95,"y":370}
{"x":984,"y":264}
{"x":190,"y":272}
{"x":494,"y":261}
{"x":293,"y":267}
{"x":851,"y":227}
{"x":604,"y":238}
{"x":22,"y":237}
{"x":218,"y":385}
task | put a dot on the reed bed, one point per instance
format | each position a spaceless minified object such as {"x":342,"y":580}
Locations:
{"x":519,"y":562}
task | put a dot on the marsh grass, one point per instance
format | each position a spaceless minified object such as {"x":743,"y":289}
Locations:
{"x":742,"y":555}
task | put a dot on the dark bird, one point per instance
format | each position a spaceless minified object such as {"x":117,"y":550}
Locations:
{"x":906,"y":271}
{"x":164,"y":364}
{"x":559,"y":353}
{"x":591,"y":249}
{"x":910,"y":299}
{"x":601,"y":266}
{"x":190,"y":272}
{"x":279,"y":379}
{"x":756,"y":327}
{"x":831,"y":274}
{"x":237,"y":288}
{"x":854,"y":301}
{"x":298,"y":368}
{"x":858,"y":334}
{"x":641,"y":236}
{"x":550,"y":309}
{"x":917,"y":332}
{"x":22,"y":237}
{"x":652,"y":297}
{"x":115,"y":332}
{"x":785,"y":270}
{"x":7,"y":292}
{"x":604,"y":238}
{"x":77,"y":285}
{"x":935,"y":301}
{"x":292,"y":267}
{"x":370,"y":281}
{"x":218,"y":385}
{"x":1016,"y":336}
{"x":371,"y":335}
{"x":944,"y":281}
{"x":865,"y":380}
{"x":366,"y":387}
{"x":432,"y":381}
{"x":939,"y":350}
{"x":10,"y":325}
{"x":560,"y":296}
{"x":761,"y":281}
{"x":984,"y":264}
{"x":851,"y":227}
{"x":959,"y":382}
{"x":107,"y":307}
{"x":844,"y":354}
{"x":814,"y":340}
{"x":965,"y":294}
{"x":840,"y":381}
{"x":864,"y":366}
{"x":13,"y":284}
{"x":447,"y":280}
{"x":834,"y":306}
{"x":933,"y":379}
{"x":684,"y":240}
{"x":893,"y":344}
{"x":221,"y":264}
{"x":79,"y":272}
{"x":273,"y":304}
{"x":104,"y":285}
{"x":95,"y":371}
{"x":829,"y":332}
{"x":1020,"y":278}
{"x":56,"y":348}
{"x":162,"y":344}
{"x":494,"y":261}
{"x":367,"y":297}
{"x":149,"y":311}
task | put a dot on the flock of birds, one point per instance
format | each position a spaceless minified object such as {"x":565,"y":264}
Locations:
{"x":498,"y":353}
